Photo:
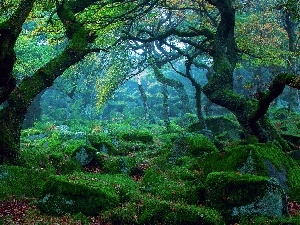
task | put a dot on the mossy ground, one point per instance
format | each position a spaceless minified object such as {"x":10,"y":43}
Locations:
{"x":143,"y":177}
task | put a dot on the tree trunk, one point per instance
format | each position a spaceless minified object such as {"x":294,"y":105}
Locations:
{"x":249,"y":112}
{"x":198,"y":94}
{"x":9,"y":32}
{"x":179,"y":87}
{"x":13,"y":112}
{"x":144,"y":98}
{"x":166,"y":106}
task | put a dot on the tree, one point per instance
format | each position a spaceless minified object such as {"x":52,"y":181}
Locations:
{"x":80,"y":36}
{"x":213,"y":33}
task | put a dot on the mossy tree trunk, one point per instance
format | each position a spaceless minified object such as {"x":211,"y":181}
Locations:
{"x":251,"y":113}
{"x":178,"y":86}
{"x":9,"y":32}
{"x":166,"y":116}
{"x":13,"y":111}
{"x":144,"y":98}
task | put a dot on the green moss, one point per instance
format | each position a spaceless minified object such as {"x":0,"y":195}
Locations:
{"x":21,"y":182}
{"x":294,"y":220}
{"x":102,"y":142}
{"x":143,"y":136}
{"x":85,"y":193}
{"x":236,"y":195}
{"x":230,"y":160}
{"x":253,"y":159}
{"x":228,"y":189}
{"x":162,"y":212}
{"x":192,"y":144}
{"x":178,"y":185}
{"x":117,"y":164}
{"x":64,"y":164}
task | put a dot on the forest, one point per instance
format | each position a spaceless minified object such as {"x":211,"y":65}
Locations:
{"x":150,"y":112}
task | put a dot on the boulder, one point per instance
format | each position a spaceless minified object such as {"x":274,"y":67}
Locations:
{"x":192,"y":144}
{"x":155,"y":211}
{"x":237,"y":195}
{"x":84,"y":154}
{"x":256,"y":159}
{"x":103,"y":143}
{"x":85,"y":193}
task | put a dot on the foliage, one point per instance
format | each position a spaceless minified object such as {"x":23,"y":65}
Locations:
{"x":261,"y":35}
{"x":21,"y":182}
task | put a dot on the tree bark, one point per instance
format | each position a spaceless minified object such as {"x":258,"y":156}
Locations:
{"x":144,"y":98}
{"x":9,"y":32}
{"x":166,"y":106}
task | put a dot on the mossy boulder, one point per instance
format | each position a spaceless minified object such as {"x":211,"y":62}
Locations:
{"x":192,"y":144}
{"x":85,"y":193}
{"x":117,"y":164}
{"x":143,"y":136}
{"x":176,"y":185}
{"x":64,"y":164}
{"x":19,"y":181}
{"x":103,"y":143}
{"x":237,"y":195}
{"x":84,"y":154}
{"x":257,"y":159}
{"x":154,"y":211}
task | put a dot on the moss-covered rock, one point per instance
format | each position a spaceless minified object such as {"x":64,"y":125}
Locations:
{"x":117,"y":164}
{"x":218,"y":125}
{"x":19,"y":181}
{"x":143,"y":136}
{"x":176,"y":185}
{"x":257,"y":159}
{"x":236,"y":195}
{"x":154,"y":211}
{"x":192,"y":144}
{"x":64,"y":164}
{"x":148,"y":211}
{"x":84,"y":154}
{"x":85,"y":193}
{"x":103,"y":143}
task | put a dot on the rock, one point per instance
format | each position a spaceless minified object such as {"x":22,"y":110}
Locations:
{"x":193,"y":144}
{"x":236,"y":195}
{"x":103,"y":143}
{"x":84,"y":154}
{"x":257,"y":159}
{"x":137,"y":136}
{"x":155,"y":211}
{"x":85,"y":193}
